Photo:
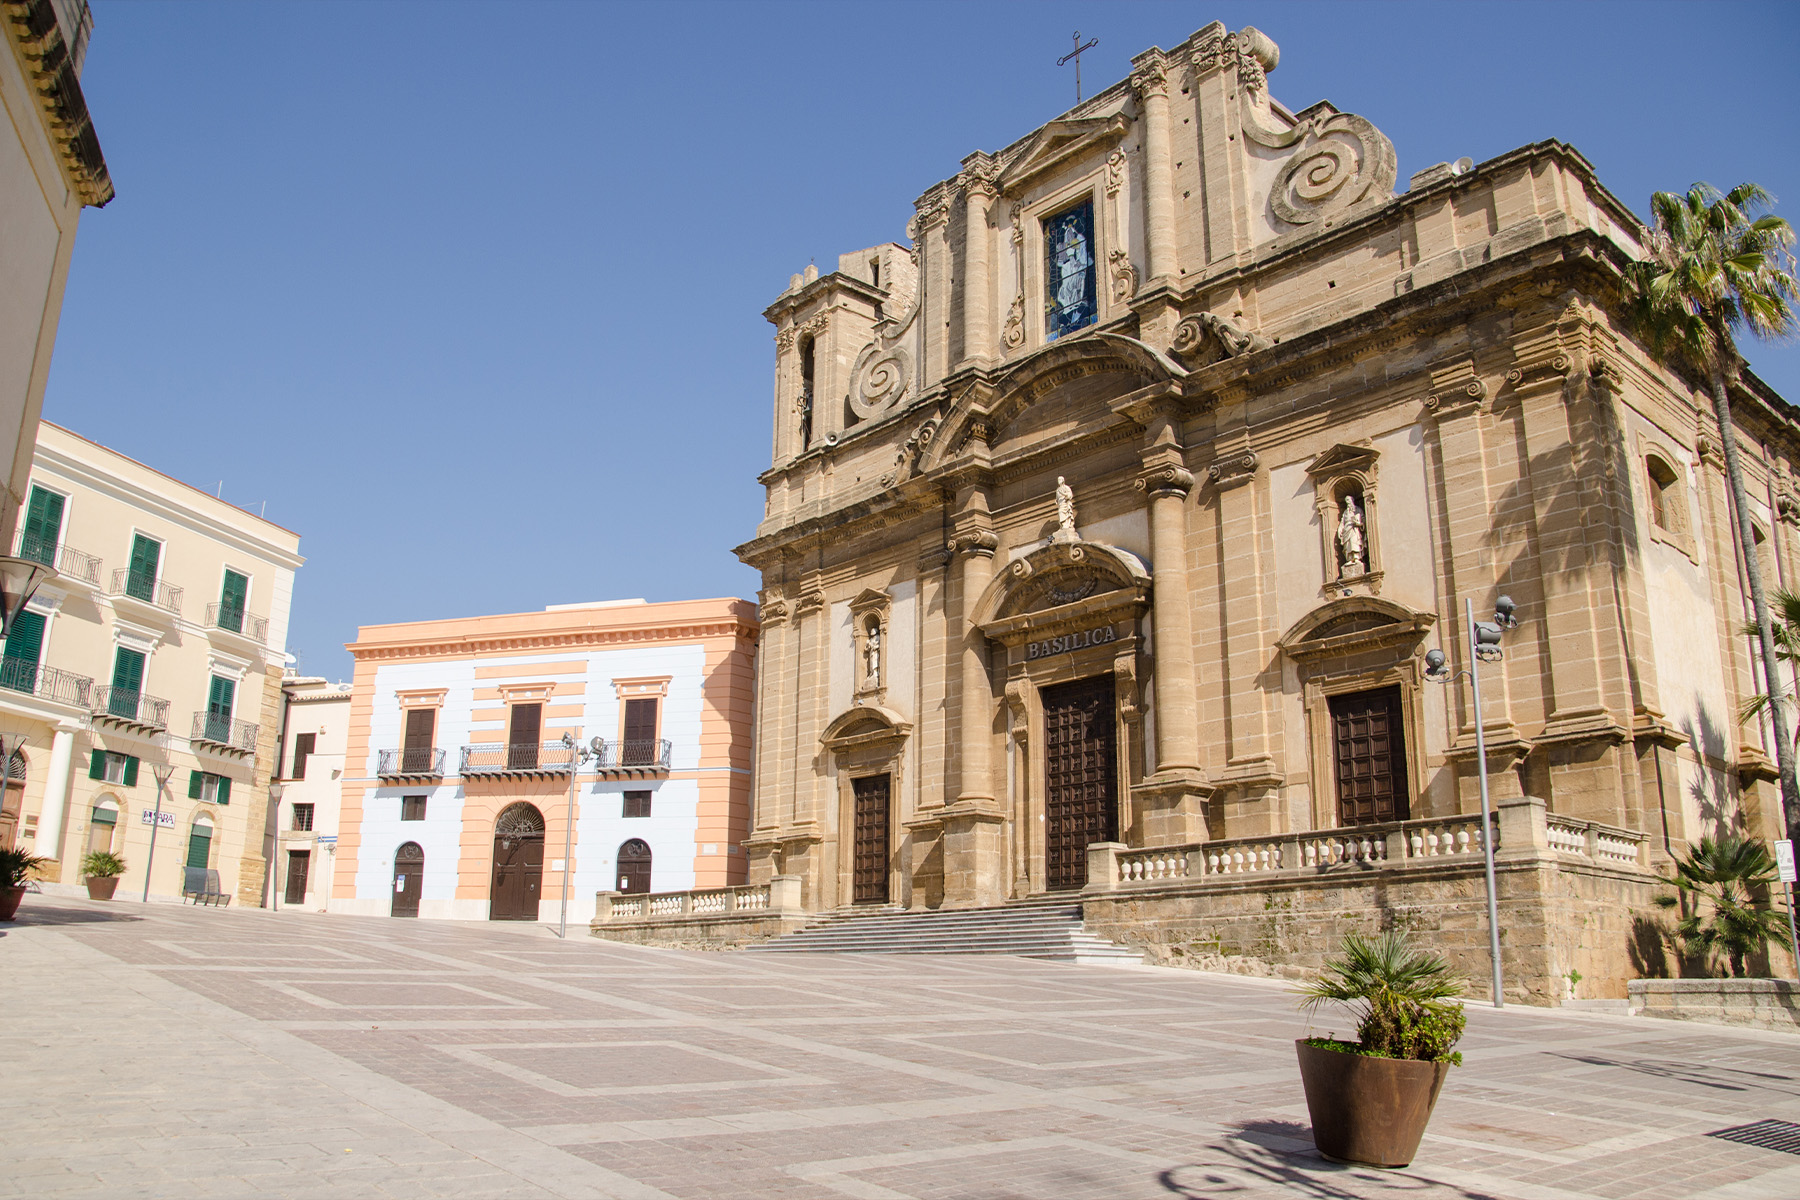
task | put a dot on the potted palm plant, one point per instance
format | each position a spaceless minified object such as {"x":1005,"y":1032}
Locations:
{"x":1370,"y":1099}
{"x":102,"y":869}
{"x":15,"y":873}
{"x":1722,"y":901}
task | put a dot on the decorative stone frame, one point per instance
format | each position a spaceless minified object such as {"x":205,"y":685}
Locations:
{"x":645,"y":687}
{"x":1032,"y":284}
{"x":1359,"y":644}
{"x":870,"y":608}
{"x":1089,"y":586}
{"x":866,"y":740}
{"x":1677,"y":529}
{"x":1340,"y":471}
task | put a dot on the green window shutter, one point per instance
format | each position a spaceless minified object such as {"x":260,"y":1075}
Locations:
{"x":232,"y":597}
{"x":43,"y":522}
{"x":224,"y":790}
{"x":97,"y":765}
{"x":146,"y":555}
{"x":128,"y":670}
{"x":219,"y":699}
{"x":131,"y":763}
{"x":199,"y":846}
{"x":24,"y":646}
{"x":195,"y":778}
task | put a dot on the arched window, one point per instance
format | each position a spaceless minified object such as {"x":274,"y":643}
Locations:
{"x":634,"y":867}
{"x":1665,"y":501}
{"x":806,"y":391}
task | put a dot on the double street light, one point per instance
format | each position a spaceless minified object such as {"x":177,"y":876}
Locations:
{"x":1484,"y":638}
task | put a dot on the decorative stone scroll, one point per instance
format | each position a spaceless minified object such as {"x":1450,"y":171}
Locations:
{"x":1206,"y":338}
{"x":1338,"y":159}
{"x":1233,"y":469}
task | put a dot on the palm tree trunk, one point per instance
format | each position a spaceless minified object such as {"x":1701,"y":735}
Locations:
{"x":1784,"y":751}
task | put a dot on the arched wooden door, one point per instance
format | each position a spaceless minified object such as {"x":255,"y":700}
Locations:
{"x":409,"y":880}
{"x":518,"y":864}
{"x":634,"y":867}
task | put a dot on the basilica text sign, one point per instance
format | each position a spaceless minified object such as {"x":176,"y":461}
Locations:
{"x":1071,"y":641}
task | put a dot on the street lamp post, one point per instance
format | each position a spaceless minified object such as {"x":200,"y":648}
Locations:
{"x":1484,"y":643}
{"x":162,"y":771}
{"x":272,"y":839}
{"x":577,"y":756}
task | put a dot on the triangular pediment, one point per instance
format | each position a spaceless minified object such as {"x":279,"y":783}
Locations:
{"x":1341,"y":458}
{"x":1059,"y":140}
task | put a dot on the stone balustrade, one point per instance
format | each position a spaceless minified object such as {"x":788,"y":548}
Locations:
{"x":781,"y":894}
{"x":1592,"y":840}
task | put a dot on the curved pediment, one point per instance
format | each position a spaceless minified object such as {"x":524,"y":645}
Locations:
{"x":1352,"y":624}
{"x":1062,"y":575}
{"x":864,"y":725}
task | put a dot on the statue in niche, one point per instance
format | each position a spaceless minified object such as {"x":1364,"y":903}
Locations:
{"x":1065,"y":511}
{"x":1352,"y":547}
{"x":872,"y":655}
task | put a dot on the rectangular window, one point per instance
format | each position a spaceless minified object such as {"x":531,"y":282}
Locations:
{"x":640,"y":733}
{"x":204,"y":785}
{"x":637,"y":804}
{"x":219,"y":699}
{"x":127,"y":683}
{"x":1069,"y":271}
{"x":24,"y":646}
{"x":146,"y":557}
{"x":43,"y":525}
{"x":416,"y":752}
{"x":108,"y":767}
{"x":303,"y":817}
{"x":233,"y":595}
{"x":412,"y":808}
{"x":522,"y":732}
{"x":303,"y":748}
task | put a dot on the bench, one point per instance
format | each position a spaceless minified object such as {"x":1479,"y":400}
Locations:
{"x":202,"y":887}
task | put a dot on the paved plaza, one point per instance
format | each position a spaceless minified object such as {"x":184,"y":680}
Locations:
{"x":178,"y":1052}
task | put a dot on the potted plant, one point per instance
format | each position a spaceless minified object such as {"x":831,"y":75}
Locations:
{"x":15,"y":873}
{"x":102,"y":869}
{"x":1370,"y":1099}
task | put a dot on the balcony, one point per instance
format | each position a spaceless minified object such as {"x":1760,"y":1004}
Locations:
{"x":223,"y":734}
{"x":522,"y":760}
{"x":634,"y":757}
{"x":45,"y":683}
{"x":130,"y":709}
{"x":69,"y":562}
{"x":137,"y":585}
{"x":416,"y":763}
{"x":233,"y":619}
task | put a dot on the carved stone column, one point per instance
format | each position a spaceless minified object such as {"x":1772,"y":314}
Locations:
{"x":974,"y":824}
{"x":975,"y":547}
{"x":771,"y":664}
{"x":978,"y":195}
{"x":1152,"y":87}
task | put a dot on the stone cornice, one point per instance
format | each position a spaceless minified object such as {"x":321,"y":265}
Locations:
{"x":50,"y":71}
{"x":580,"y":639}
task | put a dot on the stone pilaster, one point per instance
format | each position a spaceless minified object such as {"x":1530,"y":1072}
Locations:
{"x":1150,"y":81}
{"x":977,"y":299}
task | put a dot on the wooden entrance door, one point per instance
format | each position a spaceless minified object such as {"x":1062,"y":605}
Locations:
{"x":299,"y":861}
{"x":870,"y":885}
{"x":1081,"y":776}
{"x":518,"y":864}
{"x":1369,"y":743}
{"x":409,"y":880}
{"x":634,"y":867}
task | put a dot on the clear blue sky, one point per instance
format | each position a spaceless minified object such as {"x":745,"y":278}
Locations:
{"x":470,"y":294}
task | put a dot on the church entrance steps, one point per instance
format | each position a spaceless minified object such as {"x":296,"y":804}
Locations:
{"x":1050,"y":930}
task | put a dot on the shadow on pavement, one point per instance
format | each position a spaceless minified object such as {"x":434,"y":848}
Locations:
{"x":1278,"y":1156}
{"x":50,"y":913}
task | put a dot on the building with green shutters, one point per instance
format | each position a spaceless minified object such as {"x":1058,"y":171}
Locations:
{"x":155,"y":653}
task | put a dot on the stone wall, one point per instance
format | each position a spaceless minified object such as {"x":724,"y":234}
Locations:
{"x":1756,"y":1003}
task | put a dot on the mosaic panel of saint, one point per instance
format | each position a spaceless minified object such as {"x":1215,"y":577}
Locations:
{"x":1069,"y":243}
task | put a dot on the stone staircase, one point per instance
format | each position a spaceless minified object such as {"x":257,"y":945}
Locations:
{"x":1041,"y":930}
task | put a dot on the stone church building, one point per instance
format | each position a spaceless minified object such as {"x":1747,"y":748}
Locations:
{"x":1111,"y":517}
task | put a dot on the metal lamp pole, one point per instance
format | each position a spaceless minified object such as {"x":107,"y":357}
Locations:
{"x":1484,"y":644}
{"x":576,"y":757}
{"x":162,"y":771}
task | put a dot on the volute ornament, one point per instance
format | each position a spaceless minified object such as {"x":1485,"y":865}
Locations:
{"x":1227,"y":340}
{"x":1124,"y":276}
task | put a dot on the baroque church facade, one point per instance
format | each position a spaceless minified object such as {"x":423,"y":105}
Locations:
{"x":1111,"y":517}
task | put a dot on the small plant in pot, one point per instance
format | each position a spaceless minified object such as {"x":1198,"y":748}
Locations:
{"x":102,"y":869}
{"x":1370,"y":1099}
{"x":15,"y":872}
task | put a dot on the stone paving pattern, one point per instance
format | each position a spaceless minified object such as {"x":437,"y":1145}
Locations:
{"x":162,"y":1051}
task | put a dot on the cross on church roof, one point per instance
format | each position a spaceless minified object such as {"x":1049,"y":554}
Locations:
{"x":1076,"y":55}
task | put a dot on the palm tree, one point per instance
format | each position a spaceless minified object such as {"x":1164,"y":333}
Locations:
{"x":1731,"y":876}
{"x":1714,"y":265}
{"x":1785,"y":627}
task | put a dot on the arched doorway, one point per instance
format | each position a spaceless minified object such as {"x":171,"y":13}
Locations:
{"x":634,"y":867}
{"x":409,"y":880}
{"x":12,"y":799}
{"x":199,"y":849}
{"x":518,"y":864}
{"x":102,"y":824}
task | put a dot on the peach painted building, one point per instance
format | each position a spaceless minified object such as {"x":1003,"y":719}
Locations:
{"x":456,"y":783}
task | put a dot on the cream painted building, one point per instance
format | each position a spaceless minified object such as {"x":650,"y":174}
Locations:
{"x":156,"y":647}
{"x":1111,"y":517}
{"x":315,"y":732}
{"x":456,"y":798}
{"x":50,"y":169}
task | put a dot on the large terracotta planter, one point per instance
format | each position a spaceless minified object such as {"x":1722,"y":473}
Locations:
{"x":1368,"y":1110}
{"x":102,"y":887}
{"x":9,"y":902}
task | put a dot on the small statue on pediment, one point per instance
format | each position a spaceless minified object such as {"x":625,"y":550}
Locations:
{"x":1352,"y":547}
{"x":872,"y":655}
{"x":1065,"y":511}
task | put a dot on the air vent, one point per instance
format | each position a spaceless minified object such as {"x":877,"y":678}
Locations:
{"x":1768,"y":1135}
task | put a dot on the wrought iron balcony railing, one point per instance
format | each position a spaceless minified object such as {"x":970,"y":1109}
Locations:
{"x":46,"y":683}
{"x":224,"y":732}
{"x":649,"y":754}
{"x":522,"y":758}
{"x":68,"y":561}
{"x":131,"y":705}
{"x":418,"y":762}
{"x":235,"y":620}
{"x":141,"y":586}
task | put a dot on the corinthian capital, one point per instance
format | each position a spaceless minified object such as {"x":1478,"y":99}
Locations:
{"x":974,"y":543}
